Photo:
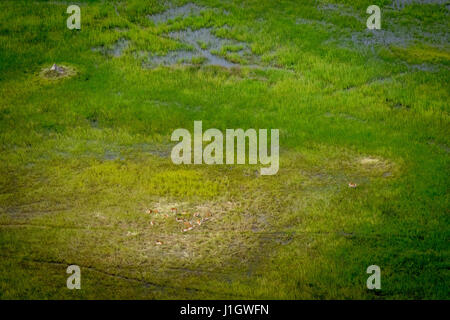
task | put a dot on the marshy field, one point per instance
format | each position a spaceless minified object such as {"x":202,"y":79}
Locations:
{"x":86,"y":176}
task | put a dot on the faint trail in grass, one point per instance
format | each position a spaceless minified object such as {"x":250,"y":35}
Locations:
{"x":17,"y":213}
{"x":118,"y":276}
{"x":26,"y":225}
{"x":338,"y":233}
{"x":378,"y":80}
{"x":199,"y":271}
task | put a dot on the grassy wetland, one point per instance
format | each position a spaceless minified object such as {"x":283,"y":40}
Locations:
{"x":86,"y":176}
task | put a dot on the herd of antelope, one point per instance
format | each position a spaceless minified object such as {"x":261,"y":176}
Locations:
{"x":188,"y":224}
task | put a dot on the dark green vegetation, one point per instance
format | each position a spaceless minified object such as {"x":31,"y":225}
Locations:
{"x":84,"y":157}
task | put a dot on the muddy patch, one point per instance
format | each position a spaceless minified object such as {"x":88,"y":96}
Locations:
{"x":162,"y":151}
{"x":425,"y":67}
{"x":393,"y":31}
{"x":187,"y":10}
{"x":63,"y":3}
{"x":314,"y":22}
{"x":200,"y":47}
{"x":399,"y":36}
{"x":116,"y":50}
{"x":401,"y":4}
{"x":440,"y":146}
{"x":204,"y":49}
{"x":342,"y":10}
{"x":171,"y":58}
{"x":110,"y":155}
{"x":370,"y":38}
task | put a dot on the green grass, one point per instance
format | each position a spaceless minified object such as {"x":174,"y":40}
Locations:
{"x":82,"y":158}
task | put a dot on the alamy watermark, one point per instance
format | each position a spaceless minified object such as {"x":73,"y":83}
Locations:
{"x":374,"y":21}
{"x":213,"y":153}
{"x":74,"y":21}
{"x":74,"y":280}
{"x":374,"y":281}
